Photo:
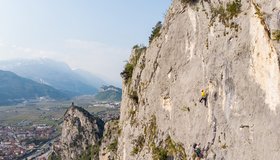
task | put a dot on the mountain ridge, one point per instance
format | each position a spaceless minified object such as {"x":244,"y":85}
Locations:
{"x":16,"y":89}
{"x":53,"y":73}
{"x":109,"y":93}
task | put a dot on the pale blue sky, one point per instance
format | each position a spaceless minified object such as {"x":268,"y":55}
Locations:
{"x":95,"y":35}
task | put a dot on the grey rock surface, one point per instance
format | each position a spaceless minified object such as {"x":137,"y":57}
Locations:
{"x":109,"y":143}
{"x":234,"y":59}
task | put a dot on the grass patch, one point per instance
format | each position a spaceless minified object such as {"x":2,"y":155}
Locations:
{"x":224,"y":146}
{"x":150,"y":131}
{"x":166,"y":149}
{"x":225,"y":14}
{"x":160,"y":153}
{"x":233,"y":8}
{"x":175,"y":149}
{"x":90,"y":153}
{"x":276,"y":35}
{"x":150,"y":135}
{"x":113,"y":147}
{"x":138,"y":145}
{"x":170,"y":150}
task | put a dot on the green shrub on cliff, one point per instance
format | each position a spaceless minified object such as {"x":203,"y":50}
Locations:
{"x":155,"y":32}
{"x":276,"y":35}
{"x":185,"y":2}
{"x":129,"y":66}
{"x":233,"y":8}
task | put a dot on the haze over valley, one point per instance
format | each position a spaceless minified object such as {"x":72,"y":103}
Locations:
{"x":57,"y":55}
{"x":140,"y":80}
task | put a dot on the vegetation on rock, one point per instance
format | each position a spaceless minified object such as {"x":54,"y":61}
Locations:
{"x":225,"y":14}
{"x":90,"y":153}
{"x":113,"y":146}
{"x":276,"y":35}
{"x":130,"y":65}
{"x":155,"y":32}
{"x":138,"y":144}
{"x":185,"y":2}
{"x":233,"y":8}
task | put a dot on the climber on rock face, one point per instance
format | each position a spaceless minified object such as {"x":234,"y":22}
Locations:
{"x":203,"y":97}
{"x":198,"y":151}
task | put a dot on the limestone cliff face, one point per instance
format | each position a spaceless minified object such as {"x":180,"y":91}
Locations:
{"x":81,"y":134}
{"x":226,"y":47}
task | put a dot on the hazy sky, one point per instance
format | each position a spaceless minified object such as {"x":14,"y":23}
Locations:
{"x":95,"y":35}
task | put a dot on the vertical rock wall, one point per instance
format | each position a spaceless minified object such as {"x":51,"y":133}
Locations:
{"x":234,"y":58}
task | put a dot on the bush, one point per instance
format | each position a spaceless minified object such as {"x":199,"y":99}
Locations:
{"x":113,"y":146}
{"x":276,"y":35}
{"x":127,"y":72}
{"x":225,"y":14}
{"x":129,"y":67}
{"x":234,"y":8}
{"x":185,"y":2}
{"x":138,"y":145}
{"x":155,"y":32}
{"x":160,"y":153}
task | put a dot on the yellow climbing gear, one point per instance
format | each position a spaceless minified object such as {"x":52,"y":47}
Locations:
{"x":203,"y":94}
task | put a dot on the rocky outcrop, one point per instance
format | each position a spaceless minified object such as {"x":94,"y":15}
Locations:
{"x":81,"y":134}
{"x":228,"y":49}
{"x":109,"y":143}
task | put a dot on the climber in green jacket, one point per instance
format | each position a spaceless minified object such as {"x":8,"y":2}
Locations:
{"x":203,"y":97}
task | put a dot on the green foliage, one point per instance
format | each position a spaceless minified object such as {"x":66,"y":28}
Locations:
{"x":129,"y":66}
{"x":150,"y":131}
{"x":91,"y":153}
{"x":113,"y":146}
{"x":175,"y":149}
{"x":259,"y":13}
{"x":138,"y":145}
{"x":119,"y":131}
{"x":155,"y":32}
{"x":233,"y":8}
{"x":166,"y":149}
{"x":94,"y":151}
{"x":138,"y":50}
{"x":128,"y":70}
{"x":54,"y":156}
{"x":276,"y":35}
{"x":160,"y":153}
{"x":224,"y":146}
{"x":186,"y":2}
{"x":170,"y":149}
{"x":225,"y":14}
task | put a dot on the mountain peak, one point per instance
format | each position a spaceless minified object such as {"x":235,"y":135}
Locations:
{"x":80,"y":132}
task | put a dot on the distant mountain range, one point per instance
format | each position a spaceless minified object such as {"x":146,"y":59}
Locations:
{"x":55,"y":74}
{"x":109,"y":93}
{"x":44,"y":78}
{"x":15,"y":89}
